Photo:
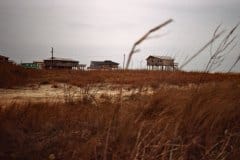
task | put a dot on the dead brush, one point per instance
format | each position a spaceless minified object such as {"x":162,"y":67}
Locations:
{"x":153,"y":127}
{"x":187,"y":134}
{"x":88,"y":94}
{"x":13,"y":75}
{"x":69,"y":94}
{"x":134,"y":78}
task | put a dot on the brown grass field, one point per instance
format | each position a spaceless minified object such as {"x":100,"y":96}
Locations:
{"x":197,"y":120}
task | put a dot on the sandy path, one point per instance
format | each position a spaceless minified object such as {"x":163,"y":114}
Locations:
{"x":63,"y":92}
{"x":59,"y":93}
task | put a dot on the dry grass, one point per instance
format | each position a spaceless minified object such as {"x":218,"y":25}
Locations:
{"x":13,"y":75}
{"x":166,"y":125}
{"x":171,"y":124}
{"x":134,"y":78}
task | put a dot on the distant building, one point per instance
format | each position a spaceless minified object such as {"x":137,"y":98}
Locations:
{"x":161,"y":63}
{"x":40,"y":64}
{"x":4,"y":59}
{"x":34,"y":65}
{"x":30,"y":65}
{"x":60,"y":63}
{"x":107,"y":64}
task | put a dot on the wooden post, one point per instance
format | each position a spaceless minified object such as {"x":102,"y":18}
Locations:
{"x":52,"y":59}
{"x":123,"y":61}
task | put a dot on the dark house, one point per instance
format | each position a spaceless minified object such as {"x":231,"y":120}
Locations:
{"x":60,"y":63}
{"x":107,"y":64}
{"x":161,"y":62}
{"x":3,"y":59}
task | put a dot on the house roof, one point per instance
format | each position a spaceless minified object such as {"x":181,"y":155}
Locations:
{"x":82,"y":65}
{"x":3,"y":56}
{"x":161,"y":57}
{"x":104,"y":62}
{"x":61,"y":59}
{"x":38,"y":62}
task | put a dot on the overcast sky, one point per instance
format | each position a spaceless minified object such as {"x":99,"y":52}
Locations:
{"x":106,"y":29}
